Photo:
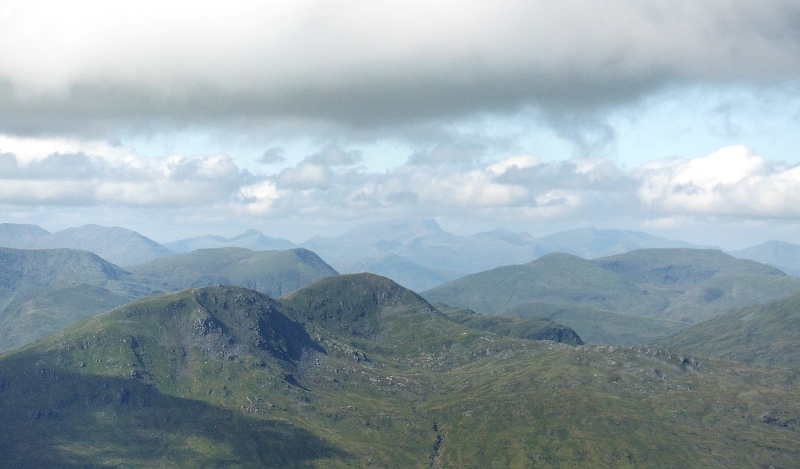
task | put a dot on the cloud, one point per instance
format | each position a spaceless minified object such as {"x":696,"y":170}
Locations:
{"x":63,"y":172}
{"x":327,"y":186}
{"x":733,"y":181}
{"x":88,"y":66}
{"x":273,"y":155}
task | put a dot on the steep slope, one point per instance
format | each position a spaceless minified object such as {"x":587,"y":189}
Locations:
{"x":783,"y":255}
{"x":114,"y":244}
{"x":675,"y":285}
{"x":226,"y":377}
{"x":250,"y":239}
{"x":765,"y":334}
{"x":270,"y":272}
{"x":42,"y":291}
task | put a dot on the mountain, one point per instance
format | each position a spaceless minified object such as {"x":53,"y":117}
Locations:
{"x":599,"y":326}
{"x":116,"y":245}
{"x":530,"y":328}
{"x":783,"y":255}
{"x":355,"y":371}
{"x":674,"y":285}
{"x":408,"y":274}
{"x":250,"y":239}
{"x":427,"y":255}
{"x":764,"y":334}
{"x":270,"y":272}
{"x":42,"y":291}
{"x":591,"y":243}
{"x":14,"y":235}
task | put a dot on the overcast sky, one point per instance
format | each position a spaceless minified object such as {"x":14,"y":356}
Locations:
{"x":679,"y":118}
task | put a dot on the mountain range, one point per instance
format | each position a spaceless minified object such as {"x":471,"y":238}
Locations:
{"x":43,"y":290}
{"x":117,"y":245}
{"x":355,"y":370}
{"x":659,"y":291}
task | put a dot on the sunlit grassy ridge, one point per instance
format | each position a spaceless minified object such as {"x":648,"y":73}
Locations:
{"x":355,"y":371}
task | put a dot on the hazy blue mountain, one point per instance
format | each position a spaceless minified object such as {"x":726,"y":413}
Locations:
{"x":269,"y":272}
{"x":676,"y":285}
{"x":424,"y":246}
{"x":408,"y":274}
{"x":356,"y":371}
{"x":783,"y":255}
{"x":591,"y":243}
{"x":250,"y":239}
{"x":44,"y":290}
{"x":120,"y":246}
{"x":20,"y":236}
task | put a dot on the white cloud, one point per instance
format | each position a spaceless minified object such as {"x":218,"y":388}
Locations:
{"x":732,"y":182}
{"x":72,"y":172}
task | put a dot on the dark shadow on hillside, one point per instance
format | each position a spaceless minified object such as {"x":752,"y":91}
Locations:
{"x":50,"y":418}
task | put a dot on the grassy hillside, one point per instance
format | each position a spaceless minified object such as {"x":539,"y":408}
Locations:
{"x":42,"y":291}
{"x":355,"y":371}
{"x":597,"y":326}
{"x":269,"y":272}
{"x":676,"y":286}
{"x":530,"y":328}
{"x":764,"y":334}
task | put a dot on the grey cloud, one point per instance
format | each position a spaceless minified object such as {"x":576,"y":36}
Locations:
{"x":452,"y":153}
{"x":359,"y":68}
{"x":272,"y":155}
{"x":332,"y":155}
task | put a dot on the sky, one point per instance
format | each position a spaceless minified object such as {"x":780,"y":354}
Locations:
{"x":178,"y":119}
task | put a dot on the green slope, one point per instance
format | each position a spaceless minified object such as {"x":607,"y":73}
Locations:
{"x":668,"y":288}
{"x":598,"y":326}
{"x":513,"y":325}
{"x":42,"y":291}
{"x":270,"y":272}
{"x":355,"y":371}
{"x":765,"y":334}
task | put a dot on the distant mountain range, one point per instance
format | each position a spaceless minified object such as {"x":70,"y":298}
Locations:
{"x":671,"y":288}
{"x":356,"y":371}
{"x":418,"y":254}
{"x":117,"y":245}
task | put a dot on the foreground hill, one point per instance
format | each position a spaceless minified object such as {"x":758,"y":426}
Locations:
{"x":269,"y":272}
{"x":763,"y":334}
{"x":671,"y":287}
{"x":355,"y":371}
{"x":44,"y":290}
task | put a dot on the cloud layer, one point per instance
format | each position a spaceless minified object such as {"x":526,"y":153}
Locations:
{"x":332,"y":185}
{"x":73,"y":66}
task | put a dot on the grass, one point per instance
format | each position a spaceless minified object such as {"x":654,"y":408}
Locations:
{"x":207,"y":378}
